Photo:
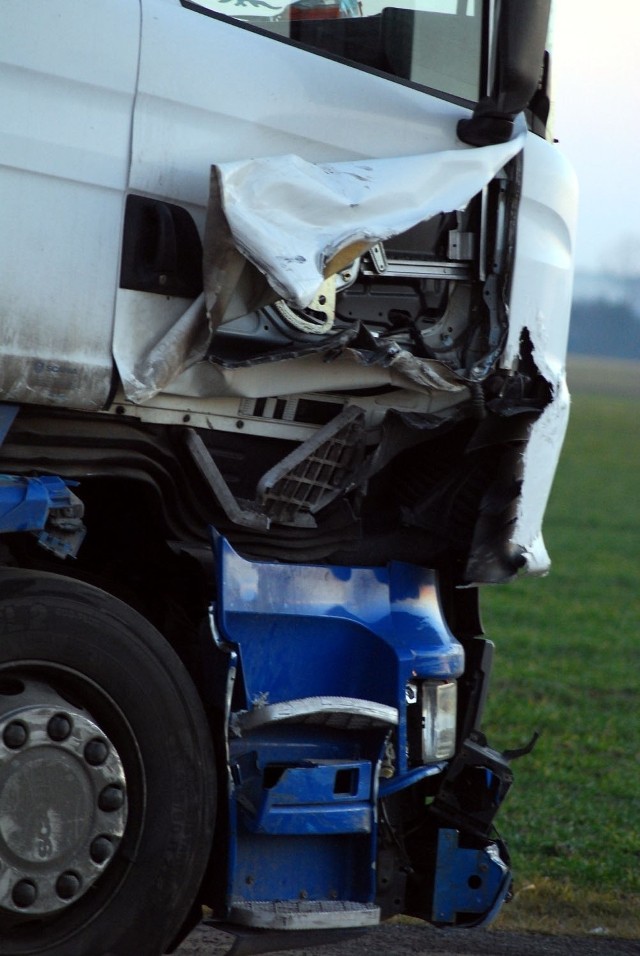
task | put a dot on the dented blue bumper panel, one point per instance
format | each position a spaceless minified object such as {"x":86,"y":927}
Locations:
{"x":283,"y":616}
{"x":323,"y":667}
{"x":305,"y":632}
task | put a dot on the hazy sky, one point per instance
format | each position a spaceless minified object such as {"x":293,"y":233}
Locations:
{"x":596,"y":75}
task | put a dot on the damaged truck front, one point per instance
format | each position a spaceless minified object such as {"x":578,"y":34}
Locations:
{"x":284,"y":315}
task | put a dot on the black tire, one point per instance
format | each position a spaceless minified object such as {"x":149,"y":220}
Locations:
{"x":85,"y":652}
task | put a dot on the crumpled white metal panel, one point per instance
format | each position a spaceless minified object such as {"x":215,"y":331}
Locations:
{"x":541,"y":305}
{"x":291,"y":218}
{"x":295,"y":221}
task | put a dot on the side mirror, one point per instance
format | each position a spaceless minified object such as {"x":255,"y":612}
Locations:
{"x":520,"y":38}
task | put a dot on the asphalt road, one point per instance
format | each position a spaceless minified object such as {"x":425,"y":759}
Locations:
{"x":416,"y":940}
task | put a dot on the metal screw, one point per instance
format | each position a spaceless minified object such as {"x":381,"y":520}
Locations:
{"x":24,"y":894}
{"x":15,"y":735}
{"x":67,"y":885}
{"x":59,"y":727}
{"x":96,"y":752}
{"x":101,"y":849}
{"x":111,"y":798}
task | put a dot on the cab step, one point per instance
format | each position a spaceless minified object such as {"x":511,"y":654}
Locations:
{"x":304,"y":914}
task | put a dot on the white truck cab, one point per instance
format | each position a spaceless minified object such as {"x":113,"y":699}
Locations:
{"x":284,"y":304}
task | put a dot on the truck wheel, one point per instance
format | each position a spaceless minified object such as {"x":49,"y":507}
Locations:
{"x":107,"y":789}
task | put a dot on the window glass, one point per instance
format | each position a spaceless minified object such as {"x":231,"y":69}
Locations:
{"x":434,"y":43}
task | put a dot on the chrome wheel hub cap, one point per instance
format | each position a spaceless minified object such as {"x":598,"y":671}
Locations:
{"x":63,"y":800}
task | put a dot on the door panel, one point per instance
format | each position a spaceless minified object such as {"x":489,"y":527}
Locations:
{"x":68,"y":71}
{"x":212,"y":91}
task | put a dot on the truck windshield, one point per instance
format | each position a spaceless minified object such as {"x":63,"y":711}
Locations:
{"x":435,"y":44}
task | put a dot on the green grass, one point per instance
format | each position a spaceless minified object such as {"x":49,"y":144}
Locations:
{"x":568,"y":664}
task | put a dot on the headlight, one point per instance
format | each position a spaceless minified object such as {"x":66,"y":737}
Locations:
{"x":431,"y":720}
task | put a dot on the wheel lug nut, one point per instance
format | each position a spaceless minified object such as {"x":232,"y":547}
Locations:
{"x":59,"y":727}
{"x":111,"y":798}
{"x":96,"y":752}
{"x":15,"y":735}
{"x":24,"y":894}
{"x":101,"y":849}
{"x":67,"y":885}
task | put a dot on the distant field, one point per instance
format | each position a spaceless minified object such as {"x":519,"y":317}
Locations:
{"x":568,"y":664}
{"x":593,"y":376}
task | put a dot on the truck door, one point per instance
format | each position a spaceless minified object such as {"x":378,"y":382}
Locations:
{"x":222,"y":81}
{"x":68,"y":74}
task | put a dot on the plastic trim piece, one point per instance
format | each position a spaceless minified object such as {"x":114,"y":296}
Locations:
{"x":305,"y":914}
{"x":347,"y":713}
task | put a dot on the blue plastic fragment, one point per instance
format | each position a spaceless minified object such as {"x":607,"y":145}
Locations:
{"x":44,"y":504}
{"x":468,"y":881}
{"x":25,"y":502}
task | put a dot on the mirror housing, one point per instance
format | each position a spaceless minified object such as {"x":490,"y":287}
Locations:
{"x":520,"y":38}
